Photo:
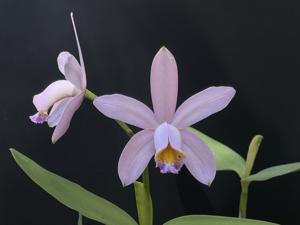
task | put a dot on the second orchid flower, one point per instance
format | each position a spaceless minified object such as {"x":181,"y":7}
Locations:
{"x":64,"y":96}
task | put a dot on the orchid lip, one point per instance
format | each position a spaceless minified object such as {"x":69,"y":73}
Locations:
{"x":53,"y":93}
{"x":39,"y":117}
{"x":169,"y":160}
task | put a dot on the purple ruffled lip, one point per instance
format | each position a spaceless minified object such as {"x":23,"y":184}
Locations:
{"x":169,"y":167}
{"x":39,"y":117}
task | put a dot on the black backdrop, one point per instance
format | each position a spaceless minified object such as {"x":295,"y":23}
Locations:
{"x":250,"y":45}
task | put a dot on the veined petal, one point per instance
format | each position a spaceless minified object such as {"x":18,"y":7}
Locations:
{"x":202,"y":105}
{"x":57,"y":111}
{"x":70,"y":68}
{"x":53,"y":93}
{"x":164,"y":85}
{"x":129,"y":110}
{"x":66,"y":117}
{"x":135,"y":157}
{"x":199,"y":159}
{"x":83,"y":77}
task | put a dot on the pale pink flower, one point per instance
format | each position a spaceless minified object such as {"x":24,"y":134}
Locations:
{"x":64,"y":96}
{"x":165,"y":134}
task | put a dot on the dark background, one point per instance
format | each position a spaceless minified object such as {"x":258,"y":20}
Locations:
{"x":250,"y":45}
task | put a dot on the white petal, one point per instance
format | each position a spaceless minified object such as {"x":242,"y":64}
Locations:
{"x":167,"y":134}
{"x":53,"y":93}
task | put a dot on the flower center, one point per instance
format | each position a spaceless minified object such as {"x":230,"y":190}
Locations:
{"x":169,"y":160}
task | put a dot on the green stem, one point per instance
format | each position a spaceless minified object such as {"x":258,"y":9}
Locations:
{"x":243,"y":199}
{"x":145,"y":212}
{"x":79,"y":219}
{"x":124,"y":126}
{"x":146,"y":180}
{"x":89,"y":95}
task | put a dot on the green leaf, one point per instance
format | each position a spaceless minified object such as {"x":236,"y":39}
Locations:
{"x":252,"y":152}
{"x":226,"y":158}
{"x":72,"y":195}
{"x":214,"y":220}
{"x":274,"y":171}
{"x":143,"y":203}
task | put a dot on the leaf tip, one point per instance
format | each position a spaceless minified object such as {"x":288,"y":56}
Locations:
{"x":13,"y":151}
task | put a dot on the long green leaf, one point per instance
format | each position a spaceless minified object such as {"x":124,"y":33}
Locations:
{"x":274,"y":171}
{"x":72,"y":195}
{"x":226,"y":158}
{"x":214,"y":220}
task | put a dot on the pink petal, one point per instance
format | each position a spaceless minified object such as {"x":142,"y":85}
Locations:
{"x":66,"y":117}
{"x":129,"y":110}
{"x":167,"y":134}
{"x":53,"y":93}
{"x":135,"y":157}
{"x":70,"y":67}
{"x":57,"y":111}
{"x":83,"y":78}
{"x":164,"y":85}
{"x":202,"y":105}
{"x":199,"y":159}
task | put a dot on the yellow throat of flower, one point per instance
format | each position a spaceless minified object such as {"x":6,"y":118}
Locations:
{"x":169,"y":160}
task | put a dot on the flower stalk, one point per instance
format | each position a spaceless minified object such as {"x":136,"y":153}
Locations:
{"x":142,"y":190}
{"x":243,"y":199}
{"x":79,"y":219}
{"x":89,"y":95}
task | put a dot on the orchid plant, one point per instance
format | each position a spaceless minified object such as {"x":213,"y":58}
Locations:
{"x":166,"y":134}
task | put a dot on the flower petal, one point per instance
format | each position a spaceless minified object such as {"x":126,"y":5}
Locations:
{"x":167,"y":134}
{"x":202,"y":105}
{"x":69,"y":66}
{"x":174,"y":138}
{"x":53,"y":93}
{"x":129,"y":110}
{"x":83,"y":78}
{"x":161,"y":137}
{"x":66,"y":117}
{"x":136,"y":156}
{"x":199,"y":159}
{"x":164,"y":85}
{"x":57,"y":111}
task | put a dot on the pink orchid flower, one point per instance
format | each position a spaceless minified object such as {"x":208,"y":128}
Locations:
{"x":64,"y":96}
{"x":165,"y":134}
